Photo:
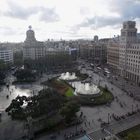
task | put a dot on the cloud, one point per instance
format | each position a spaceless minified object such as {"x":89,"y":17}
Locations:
{"x":126,"y":10}
{"x":100,"y":21}
{"x":49,"y":15}
{"x":19,"y":12}
{"x":84,"y":10}
{"x":6,"y":30}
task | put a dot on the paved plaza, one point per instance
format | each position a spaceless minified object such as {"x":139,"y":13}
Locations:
{"x":94,"y":116}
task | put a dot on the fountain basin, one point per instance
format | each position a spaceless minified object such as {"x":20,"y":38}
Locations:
{"x":86,"y":89}
{"x":68,"y":76}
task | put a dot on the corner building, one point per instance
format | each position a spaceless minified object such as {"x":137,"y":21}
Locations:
{"x":129,"y":52}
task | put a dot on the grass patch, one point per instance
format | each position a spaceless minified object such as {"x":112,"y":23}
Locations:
{"x":61,"y":86}
{"x":69,"y":92}
{"x":104,"y":98}
{"x":65,"y":89}
{"x":130,"y":134}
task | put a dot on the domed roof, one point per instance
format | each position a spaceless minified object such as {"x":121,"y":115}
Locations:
{"x":30,"y":31}
{"x":30,"y":35}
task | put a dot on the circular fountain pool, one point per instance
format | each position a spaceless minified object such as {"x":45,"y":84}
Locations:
{"x":68,"y":76}
{"x":85,"y":89}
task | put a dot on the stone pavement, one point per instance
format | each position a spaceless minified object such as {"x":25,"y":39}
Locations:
{"x":116,"y":128}
{"x":11,"y":130}
{"x":98,"y":134}
{"x":125,"y":124}
{"x":94,"y":113}
{"x":15,"y":129}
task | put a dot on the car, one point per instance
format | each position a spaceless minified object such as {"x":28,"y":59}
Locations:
{"x":53,"y":136}
{"x":99,"y":68}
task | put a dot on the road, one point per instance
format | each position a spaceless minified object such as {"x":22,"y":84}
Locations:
{"x":93,"y":114}
{"x":115,"y":128}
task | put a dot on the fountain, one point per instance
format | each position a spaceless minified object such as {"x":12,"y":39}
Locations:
{"x":68,"y":76}
{"x":86,"y":89}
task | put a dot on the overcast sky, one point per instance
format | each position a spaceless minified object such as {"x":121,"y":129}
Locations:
{"x":66,"y":19}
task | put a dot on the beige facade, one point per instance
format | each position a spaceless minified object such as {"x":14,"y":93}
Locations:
{"x":129,"y":52}
{"x":113,"y":55}
{"x":128,"y":60}
{"x":6,"y":54}
{"x":95,"y":52}
{"x":55,"y":55}
{"x":33,"y":49}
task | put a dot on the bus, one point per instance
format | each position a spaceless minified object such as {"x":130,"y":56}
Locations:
{"x":107,"y":73}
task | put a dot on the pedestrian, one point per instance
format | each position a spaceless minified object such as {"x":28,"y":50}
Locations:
{"x":7,"y":96}
{"x":85,"y":124}
{"x":58,"y":132}
{"x":89,"y":123}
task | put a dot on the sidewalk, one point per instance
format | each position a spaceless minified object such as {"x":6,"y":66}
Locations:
{"x":116,"y":128}
{"x":11,"y":130}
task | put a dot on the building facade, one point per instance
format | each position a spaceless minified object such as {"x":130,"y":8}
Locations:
{"x":113,"y":55}
{"x":33,"y":49}
{"x":124,"y":55}
{"x":129,"y":52}
{"x":94,"y":52}
{"x":47,"y":56}
{"x":6,"y":54}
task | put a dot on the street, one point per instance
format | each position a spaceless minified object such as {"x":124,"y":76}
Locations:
{"x":94,"y":116}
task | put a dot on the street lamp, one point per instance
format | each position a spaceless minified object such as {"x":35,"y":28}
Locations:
{"x":76,"y":125}
{"x":132,"y":108}
{"x":137,"y":106}
{"x":108,"y":117}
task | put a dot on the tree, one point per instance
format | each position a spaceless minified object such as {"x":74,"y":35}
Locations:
{"x":24,"y":75}
{"x":18,"y":58}
{"x":48,"y":102}
{"x":15,"y":109}
{"x":2,"y":76}
{"x":106,"y":88}
{"x":133,"y":136}
{"x":2,"y":65}
{"x":69,"y":110}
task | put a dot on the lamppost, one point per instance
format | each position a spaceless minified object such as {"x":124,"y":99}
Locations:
{"x":137,"y":107}
{"x":99,"y":81}
{"x":108,"y":117}
{"x":76,"y":125}
{"x":132,"y":108}
{"x":30,"y":132}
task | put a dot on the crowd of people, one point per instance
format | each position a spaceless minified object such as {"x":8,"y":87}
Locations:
{"x":72,"y":135}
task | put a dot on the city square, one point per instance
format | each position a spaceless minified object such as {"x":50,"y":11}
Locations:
{"x":94,"y":116}
{"x":70,"y":70}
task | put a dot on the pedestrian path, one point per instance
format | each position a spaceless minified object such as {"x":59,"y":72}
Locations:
{"x":125,"y":124}
{"x":115,"y":128}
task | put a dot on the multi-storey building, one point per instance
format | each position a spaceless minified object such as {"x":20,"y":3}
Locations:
{"x":32,"y":49}
{"x":125,"y":55}
{"x":129,"y":52}
{"x":95,"y":52}
{"x":50,"y":55}
{"x":113,"y":55}
{"x":6,"y":54}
